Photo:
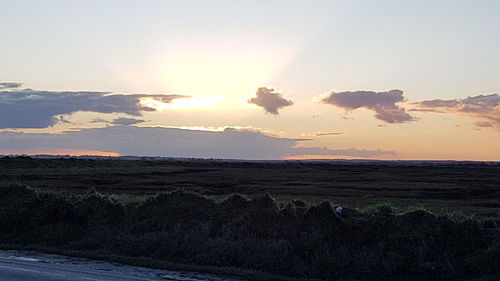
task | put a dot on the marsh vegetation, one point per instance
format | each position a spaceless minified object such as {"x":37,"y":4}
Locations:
{"x":215,"y":226}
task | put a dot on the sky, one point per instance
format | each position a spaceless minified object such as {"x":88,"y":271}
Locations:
{"x":410,"y":80}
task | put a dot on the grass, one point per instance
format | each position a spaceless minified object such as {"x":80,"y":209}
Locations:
{"x":256,"y":239}
{"x":469,"y":188}
{"x":404,"y":220}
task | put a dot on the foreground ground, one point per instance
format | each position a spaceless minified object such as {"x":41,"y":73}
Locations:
{"x":199,"y":224}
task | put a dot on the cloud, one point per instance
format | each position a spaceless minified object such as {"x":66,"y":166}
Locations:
{"x":484,"y":124}
{"x":60,"y":119}
{"x":99,"y":120}
{"x":155,"y":141}
{"x":353,"y":152}
{"x":126,"y":121}
{"x":439,"y":103}
{"x":37,"y":109}
{"x":269,"y":100}
{"x":321,"y":134}
{"x":10,"y":85}
{"x":486,"y":107}
{"x":383,"y":103}
{"x":426,"y":110}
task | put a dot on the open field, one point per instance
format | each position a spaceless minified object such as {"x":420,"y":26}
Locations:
{"x":470,"y":188}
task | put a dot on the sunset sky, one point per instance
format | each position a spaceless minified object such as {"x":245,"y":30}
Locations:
{"x":399,"y":79}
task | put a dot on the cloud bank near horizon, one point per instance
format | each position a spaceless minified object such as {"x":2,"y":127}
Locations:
{"x":27,"y":108}
{"x":384,"y":104}
{"x":172,"y":142}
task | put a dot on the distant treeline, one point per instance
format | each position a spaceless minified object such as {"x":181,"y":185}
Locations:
{"x":289,"y":239}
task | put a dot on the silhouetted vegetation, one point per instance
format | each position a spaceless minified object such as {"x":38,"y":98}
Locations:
{"x":292,"y":239}
{"x":470,"y":188}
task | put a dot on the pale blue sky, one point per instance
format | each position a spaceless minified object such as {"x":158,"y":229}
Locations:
{"x":428,"y":48}
{"x":220,"y":52}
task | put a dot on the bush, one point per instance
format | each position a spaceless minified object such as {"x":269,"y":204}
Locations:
{"x":295,"y":240}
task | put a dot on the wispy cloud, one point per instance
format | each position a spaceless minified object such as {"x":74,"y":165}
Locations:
{"x":126,"y":121}
{"x":485,"y":107}
{"x":154,"y":141}
{"x":38,"y":109}
{"x":352,"y":152}
{"x":383,"y":103}
{"x":10,"y":85}
{"x":270,"y":100}
{"x":322,"y":134}
{"x":484,"y":124}
{"x":426,"y":110}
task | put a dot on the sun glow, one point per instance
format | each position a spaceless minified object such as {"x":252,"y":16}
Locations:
{"x":183,"y":103}
{"x":221,"y":72}
{"x":233,"y":70}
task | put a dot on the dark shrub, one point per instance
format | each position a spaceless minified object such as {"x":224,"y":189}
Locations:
{"x":293,"y":240}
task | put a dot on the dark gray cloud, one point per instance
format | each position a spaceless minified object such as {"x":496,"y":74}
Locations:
{"x":486,"y":107}
{"x":60,"y":119}
{"x":383,"y":103}
{"x":10,"y":85}
{"x":126,"y":121}
{"x":36,"y":109}
{"x":149,"y":141}
{"x":269,"y":100}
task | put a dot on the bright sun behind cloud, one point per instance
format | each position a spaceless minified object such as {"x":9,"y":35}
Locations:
{"x":223,"y":72}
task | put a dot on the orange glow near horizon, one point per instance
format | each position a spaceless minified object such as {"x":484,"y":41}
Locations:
{"x":61,"y":152}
